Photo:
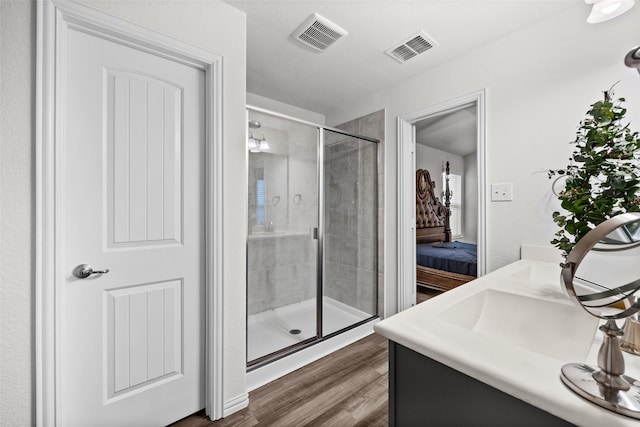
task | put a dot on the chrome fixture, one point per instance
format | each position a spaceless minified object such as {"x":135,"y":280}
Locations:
{"x":599,"y":276}
{"x":603,"y":10}
{"x":85,"y":270}
{"x":632,"y":59}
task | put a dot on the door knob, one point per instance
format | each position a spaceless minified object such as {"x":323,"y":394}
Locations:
{"x":85,"y":270}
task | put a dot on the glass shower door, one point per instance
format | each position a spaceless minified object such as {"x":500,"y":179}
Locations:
{"x":351,"y":231}
{"x":282,"y":245}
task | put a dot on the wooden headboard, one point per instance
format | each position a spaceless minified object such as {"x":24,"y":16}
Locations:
{"x":432,"y":217}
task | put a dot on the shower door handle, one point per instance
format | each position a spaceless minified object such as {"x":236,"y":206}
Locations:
{"x":315,"y":233}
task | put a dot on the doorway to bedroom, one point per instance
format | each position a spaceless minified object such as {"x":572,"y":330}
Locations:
{"x":441,"y":237}
{"x":446,"y":162}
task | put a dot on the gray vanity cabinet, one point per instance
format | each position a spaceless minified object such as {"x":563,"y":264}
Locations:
{"x":424,"y":392}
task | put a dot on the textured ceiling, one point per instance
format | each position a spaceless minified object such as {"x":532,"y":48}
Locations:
{"x":279,"y":68}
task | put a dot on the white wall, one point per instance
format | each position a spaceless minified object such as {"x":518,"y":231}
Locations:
{"x":539,"y":83}
{"x":17,"y":92}
{"x":211,"y":25}
{"x":433,"y":160}
{"x":283,"y":108}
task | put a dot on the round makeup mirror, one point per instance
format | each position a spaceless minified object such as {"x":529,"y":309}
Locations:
{"x":602,"y":275}
{"x":602,"y":271}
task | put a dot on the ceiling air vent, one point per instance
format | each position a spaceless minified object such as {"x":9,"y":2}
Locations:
{"x":413,"y":46}
{"x":318,"y":32}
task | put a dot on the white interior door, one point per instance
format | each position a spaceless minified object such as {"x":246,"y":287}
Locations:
{"x":132,"y":201}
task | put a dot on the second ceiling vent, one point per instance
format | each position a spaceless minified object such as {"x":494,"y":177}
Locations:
{"x":318,"y":32}
{"x":411,"y":47}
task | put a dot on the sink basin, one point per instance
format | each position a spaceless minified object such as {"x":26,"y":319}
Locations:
{"x":512,"y":329}
{"x":556,"y":329}
{"x":544,"y":273}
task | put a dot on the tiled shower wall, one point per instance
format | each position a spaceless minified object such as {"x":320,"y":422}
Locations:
{"x":282,"y":271}
{"x":354,"y":215}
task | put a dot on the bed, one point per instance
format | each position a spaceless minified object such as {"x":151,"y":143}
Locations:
{"x":441,"y":264}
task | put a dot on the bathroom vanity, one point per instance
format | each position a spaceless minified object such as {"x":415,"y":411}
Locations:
{"x":490,"y":353}
{"x":424,"y":390}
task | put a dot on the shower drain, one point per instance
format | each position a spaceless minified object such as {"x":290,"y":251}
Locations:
{"x":295,"y":331}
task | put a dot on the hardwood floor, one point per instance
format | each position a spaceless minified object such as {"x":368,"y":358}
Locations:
{"x":425,"y":294}
{"x":346,"y":388}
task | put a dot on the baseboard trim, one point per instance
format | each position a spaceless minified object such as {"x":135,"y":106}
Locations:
{"x":236,"y":404}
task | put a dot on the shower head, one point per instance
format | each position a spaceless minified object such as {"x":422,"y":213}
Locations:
{"x":633,"y":58}
{"x":254,"y":124}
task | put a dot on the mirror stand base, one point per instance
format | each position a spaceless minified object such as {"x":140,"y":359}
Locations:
{"x":580,"y":378}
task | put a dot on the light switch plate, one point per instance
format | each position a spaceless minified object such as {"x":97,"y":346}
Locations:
{"x":501,"y":192}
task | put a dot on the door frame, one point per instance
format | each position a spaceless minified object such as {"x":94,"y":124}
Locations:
{"x":54,"y":19}
{"x":407,"y":188}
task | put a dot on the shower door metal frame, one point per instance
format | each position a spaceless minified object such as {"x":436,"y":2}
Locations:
{"x":319,"y":237}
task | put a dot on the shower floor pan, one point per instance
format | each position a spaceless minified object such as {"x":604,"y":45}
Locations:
{"x":273,"y":330}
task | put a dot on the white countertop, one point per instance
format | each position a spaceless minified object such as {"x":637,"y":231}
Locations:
{"x":528,"y":369}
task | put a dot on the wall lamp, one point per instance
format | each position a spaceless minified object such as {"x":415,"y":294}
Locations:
{"x":256,"y":145}
{"x":603,"y":10}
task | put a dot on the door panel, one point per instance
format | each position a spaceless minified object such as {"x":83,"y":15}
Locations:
{"x":132,"y":201}
{"x":144,"y":330}
{"x":144,"y":160}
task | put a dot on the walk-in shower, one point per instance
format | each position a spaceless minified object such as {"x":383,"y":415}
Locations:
{"x":312,"y":245}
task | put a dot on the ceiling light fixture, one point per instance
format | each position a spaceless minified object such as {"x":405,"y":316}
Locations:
{"x":603,"y":10}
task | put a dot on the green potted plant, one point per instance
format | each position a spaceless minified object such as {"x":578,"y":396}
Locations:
{"x":603,"y":176}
